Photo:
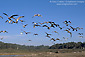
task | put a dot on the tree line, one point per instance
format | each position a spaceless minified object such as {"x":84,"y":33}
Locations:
{"x":69,"y":45}
{"x":17,"y":46}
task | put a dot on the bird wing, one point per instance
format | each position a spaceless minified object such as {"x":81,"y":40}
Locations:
{"x":5,"y":14}
{"x":1,"y":17}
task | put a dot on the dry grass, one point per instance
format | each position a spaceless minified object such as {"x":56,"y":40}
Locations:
{"x":48,"y":54}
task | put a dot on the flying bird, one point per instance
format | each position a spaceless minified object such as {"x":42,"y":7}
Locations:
{"x":41,"y":23}
{"x":81,"y":36}
{"x":35,"y":34}
{"x":57,"y":39}
{"x":13,"y":22}
{"x":25,"y":25}
{"x":36,"y":25}
{"x":56,"y":32}
{"x":27,"y":32}
{"x":46,"y":26}
{"x":68,"y":28}
{"x":22,"y":21}
{"x":73,"y":28}
{"x":6,"y":21}
{"x":80,"y":33}
{"x":5,"y":14}
{"x":24,"y":32}
{"x":29,"y":40}
{"x":56,"y":25}
{"x":53,"y":39}
{"x":79,"y":28}
{"x":52,"y":25}
{"x":60,"y":27}
{"x":10,"y":21}
{"x":47,"y":34}
{"x":4,"y":31}
{"x":10,"y":16}
{"x":18,"y":18}
{"x":68,"y":32}
{"x":65,"y":38}
{"x":67,"y":22}
{"x":1,"y":17}
{"x":37,"y":15}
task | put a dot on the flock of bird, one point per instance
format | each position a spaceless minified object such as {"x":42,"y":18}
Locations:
{"x":12,"y":20}
{"x":69,"y":28}
{"x":48,"y":25}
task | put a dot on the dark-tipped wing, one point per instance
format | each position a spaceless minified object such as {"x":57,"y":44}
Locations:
{"x":1,"y":17}
{"x":13,"y":16}
{"x":5,"y":14}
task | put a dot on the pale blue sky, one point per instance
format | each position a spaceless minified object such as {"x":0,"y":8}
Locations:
{"x":49,"y":11}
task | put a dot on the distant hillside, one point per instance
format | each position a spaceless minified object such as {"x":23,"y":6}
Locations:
{"x":18,"y":47}
{"x":66,"y":47}
{"x":69,"y":45}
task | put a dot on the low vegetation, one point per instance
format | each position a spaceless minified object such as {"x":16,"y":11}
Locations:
{"x":57,"y":48}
